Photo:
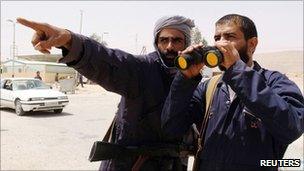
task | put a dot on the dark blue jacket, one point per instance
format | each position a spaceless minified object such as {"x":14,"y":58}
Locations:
{"x":266,"y":115}
{"x":142,"y":82}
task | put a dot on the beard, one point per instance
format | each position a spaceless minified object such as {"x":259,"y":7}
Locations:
{"x":168,"y":57}
{"x":243,"y":54}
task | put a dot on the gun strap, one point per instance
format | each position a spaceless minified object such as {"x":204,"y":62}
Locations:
{"x":209,"y":97}
{"x":108,"y":136}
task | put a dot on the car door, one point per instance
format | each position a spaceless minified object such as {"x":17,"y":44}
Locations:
{"x":7,"y":98}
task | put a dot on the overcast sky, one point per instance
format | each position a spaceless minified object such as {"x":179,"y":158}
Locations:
{"x":279,"y":23}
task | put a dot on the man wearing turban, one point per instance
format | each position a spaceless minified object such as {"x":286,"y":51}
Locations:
{"x":143,"y":81}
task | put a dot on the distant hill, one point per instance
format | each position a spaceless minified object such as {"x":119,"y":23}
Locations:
{"x":287,"y":62}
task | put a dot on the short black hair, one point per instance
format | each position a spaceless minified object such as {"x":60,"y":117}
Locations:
{"x":246,"y":25}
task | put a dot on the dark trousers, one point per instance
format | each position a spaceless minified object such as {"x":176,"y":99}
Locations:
{"x":152,"y":164}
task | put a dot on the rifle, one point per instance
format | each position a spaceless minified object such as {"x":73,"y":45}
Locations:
{"x":104,"y":151}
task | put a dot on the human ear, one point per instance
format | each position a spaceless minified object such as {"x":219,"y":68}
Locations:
{"x":251,"y":44}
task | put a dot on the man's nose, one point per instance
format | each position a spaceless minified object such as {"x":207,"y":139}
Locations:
{"x":223,"y":38}
{"x":170,"y":46}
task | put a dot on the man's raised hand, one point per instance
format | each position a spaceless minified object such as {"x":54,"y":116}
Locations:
{"x":47,"y":36}
{"x":194,"y":69}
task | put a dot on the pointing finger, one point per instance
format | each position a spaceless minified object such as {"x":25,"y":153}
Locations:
{"x":32,"y":24}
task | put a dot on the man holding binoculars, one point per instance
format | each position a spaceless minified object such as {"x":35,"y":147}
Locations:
{"x":251,"y":113}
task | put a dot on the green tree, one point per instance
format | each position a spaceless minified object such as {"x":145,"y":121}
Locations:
{"x":197,"y":37}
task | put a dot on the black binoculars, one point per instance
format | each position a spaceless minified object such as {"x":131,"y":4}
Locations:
{"x":209,"y":55}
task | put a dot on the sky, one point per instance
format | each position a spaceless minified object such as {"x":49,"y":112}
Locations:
{"x":128,"y":25}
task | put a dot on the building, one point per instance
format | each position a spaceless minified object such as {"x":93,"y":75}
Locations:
{"x":40,"y":57}
{"x":28,"y":68}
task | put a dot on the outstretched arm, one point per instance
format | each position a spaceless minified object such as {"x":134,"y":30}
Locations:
{"x":115,"y":70}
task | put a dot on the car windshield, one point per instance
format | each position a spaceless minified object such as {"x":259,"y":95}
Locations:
{"x":29,"y":84}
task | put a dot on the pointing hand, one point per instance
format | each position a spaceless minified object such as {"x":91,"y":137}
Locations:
{"x":47,"y":36}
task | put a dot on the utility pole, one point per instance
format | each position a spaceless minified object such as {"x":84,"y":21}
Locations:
{"x":80,"y":30}
{"x":136,"y":50}
{"x":81,"y":14}
{"x":14,"y":44}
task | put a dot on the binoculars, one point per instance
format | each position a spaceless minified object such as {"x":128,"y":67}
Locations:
{"x":209,"y":55}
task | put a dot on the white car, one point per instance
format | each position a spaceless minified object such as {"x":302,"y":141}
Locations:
{"x":29,"y":94}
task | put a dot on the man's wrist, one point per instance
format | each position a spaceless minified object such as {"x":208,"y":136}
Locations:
{"x":69,"y":42}
{"x":75,"y":51}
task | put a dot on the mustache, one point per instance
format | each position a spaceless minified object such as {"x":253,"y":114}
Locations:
{"x":170,"y":54}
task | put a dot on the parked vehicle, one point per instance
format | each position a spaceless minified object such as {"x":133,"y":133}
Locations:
{"x":29,"y":94}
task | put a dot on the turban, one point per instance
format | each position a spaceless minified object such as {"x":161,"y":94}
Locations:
{"x":175,"y":22}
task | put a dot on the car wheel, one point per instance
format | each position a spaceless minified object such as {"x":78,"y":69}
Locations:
{"x":18,"y":108}
{"x":58,"y":110}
